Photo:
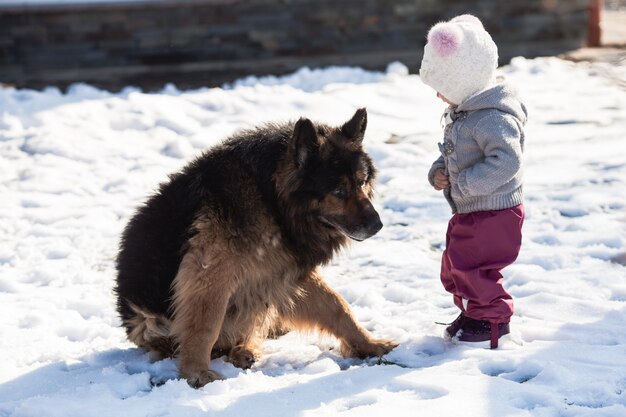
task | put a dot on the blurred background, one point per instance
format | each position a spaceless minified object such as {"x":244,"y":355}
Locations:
{"x":193,"y":43}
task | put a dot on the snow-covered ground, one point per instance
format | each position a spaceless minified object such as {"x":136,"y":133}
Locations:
{"x":74,"y":166}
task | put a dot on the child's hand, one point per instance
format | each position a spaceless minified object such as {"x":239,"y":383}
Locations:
{"x":441,"y":180}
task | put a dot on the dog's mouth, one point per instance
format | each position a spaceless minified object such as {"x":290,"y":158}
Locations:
{"x":359,"y":235}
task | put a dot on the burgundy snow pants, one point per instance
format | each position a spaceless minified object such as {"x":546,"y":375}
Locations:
{"x":478,"y":246}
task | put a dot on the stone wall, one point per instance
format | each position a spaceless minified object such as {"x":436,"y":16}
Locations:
{"x":208,"y":42}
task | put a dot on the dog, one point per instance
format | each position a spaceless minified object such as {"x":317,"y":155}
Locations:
{"x":228,"y":251}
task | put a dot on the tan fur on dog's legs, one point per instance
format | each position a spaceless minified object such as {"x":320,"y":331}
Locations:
{"x":200,"y":301}
{"x":321,"y":307}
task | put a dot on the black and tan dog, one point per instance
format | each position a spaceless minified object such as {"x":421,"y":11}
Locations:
{"x":227,"y":252}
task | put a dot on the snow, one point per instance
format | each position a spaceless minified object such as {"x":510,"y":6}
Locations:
{"x":74,"y":166}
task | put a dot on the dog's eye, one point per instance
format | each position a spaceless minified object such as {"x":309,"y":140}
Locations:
{"x":340,"y":192}
{"x":362,"y":183}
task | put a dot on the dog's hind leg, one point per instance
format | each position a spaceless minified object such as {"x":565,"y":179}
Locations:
{"x":243,"y":356}
{"x":238,"y":342}
{"x":242,"y":332}
{"x":202,"y":288}
{"x":320,"y":307}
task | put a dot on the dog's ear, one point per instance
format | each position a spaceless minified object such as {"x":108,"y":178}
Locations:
{"x":354,"y":129}
{"x":304,"y":141}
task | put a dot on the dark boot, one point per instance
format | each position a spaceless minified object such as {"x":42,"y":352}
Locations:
{"x":465,"y":329}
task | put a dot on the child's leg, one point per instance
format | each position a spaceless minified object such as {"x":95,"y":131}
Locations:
{"x":446,"y":264}
{"x":478,"y":246}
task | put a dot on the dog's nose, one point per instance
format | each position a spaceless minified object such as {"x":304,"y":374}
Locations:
{"x":374,"y":225}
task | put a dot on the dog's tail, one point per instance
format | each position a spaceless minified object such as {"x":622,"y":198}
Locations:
{"x":150,"y":331}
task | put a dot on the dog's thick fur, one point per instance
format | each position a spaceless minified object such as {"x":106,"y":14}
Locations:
{"x":227,"y":252}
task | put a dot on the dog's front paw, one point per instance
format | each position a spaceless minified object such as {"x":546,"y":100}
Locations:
{"x":371,"y":347}
{"x":197,"y":379}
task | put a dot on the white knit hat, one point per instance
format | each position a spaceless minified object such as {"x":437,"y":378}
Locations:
{"x":460,"y":58}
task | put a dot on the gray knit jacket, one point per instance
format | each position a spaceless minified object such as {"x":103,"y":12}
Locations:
{"x":482,"y":151}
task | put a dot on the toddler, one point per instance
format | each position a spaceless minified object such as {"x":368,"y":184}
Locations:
{"x":480,"y":173}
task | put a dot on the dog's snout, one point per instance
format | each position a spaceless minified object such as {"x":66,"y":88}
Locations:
{"x":371,"y":219}
{"x":374,"y":224}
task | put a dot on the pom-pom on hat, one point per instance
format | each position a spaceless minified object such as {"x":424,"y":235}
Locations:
{"x":460,"y":58}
